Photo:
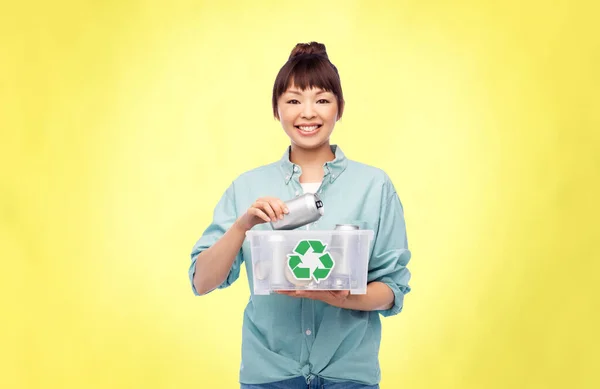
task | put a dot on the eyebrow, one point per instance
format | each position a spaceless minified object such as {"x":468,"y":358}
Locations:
{"x":298,"y":93}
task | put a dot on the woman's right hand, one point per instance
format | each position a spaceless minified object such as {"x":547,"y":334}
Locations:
{"x":263,"y":210}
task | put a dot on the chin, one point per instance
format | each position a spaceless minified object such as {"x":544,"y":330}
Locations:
{"x":308,"y":143}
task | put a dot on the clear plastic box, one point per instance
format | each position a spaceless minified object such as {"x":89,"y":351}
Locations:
{"x":310,"y":260}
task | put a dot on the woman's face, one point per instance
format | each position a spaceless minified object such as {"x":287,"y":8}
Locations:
{"x":308,"y":117}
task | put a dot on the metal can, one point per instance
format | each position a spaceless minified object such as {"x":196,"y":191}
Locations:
{"x":346,"y":227}
{"x":293,"y":280}
{"x":303,"y":210}
{"x":277,"y":261}
{"x":342,"y":247}
{"x":281,"y":276}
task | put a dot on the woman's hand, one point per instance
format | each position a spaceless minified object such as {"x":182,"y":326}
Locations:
{"x":336,"y":298}
{"x":263,"y":210}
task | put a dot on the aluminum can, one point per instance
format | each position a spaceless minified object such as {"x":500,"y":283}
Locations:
{"x":278,"y":261}
{"x":346,"y":227}
{"x":303,"y":210}
{"x":294,"y":281}
{"x":279,"y":272}
{"x":342,"y":247}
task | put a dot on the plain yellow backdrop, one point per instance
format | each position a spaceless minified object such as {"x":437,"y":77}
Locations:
{"x":122,"y":123}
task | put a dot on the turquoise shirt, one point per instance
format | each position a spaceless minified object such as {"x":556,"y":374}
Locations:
{"x":285,"y":337}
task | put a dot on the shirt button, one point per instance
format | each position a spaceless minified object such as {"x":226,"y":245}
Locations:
{"x":333,"y":175}
{"x":308,"y":332}
{"x":287,"y":177}
{"x":295,"y":168}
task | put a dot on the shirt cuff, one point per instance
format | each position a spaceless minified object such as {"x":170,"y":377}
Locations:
{"x":399,"y":293}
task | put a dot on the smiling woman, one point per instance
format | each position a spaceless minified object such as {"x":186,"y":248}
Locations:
{"x":310,"y":113}
{"x":308,"y":98}
{"x":297,"y":338}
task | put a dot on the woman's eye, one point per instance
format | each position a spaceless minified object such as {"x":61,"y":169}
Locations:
{"x":321,"y":101}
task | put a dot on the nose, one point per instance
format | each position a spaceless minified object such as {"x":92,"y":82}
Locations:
{"x":308,"y":112}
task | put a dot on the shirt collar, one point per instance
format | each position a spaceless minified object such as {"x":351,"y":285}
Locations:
{"x":332,"y":169}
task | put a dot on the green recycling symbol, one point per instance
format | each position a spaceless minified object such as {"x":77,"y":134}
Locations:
{"x":310,"y":260}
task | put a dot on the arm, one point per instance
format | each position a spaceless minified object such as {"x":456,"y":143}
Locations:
{"x":213,"y":264}
{"x":379,"y":296}
{"x":390,"y":256}
{"x":217,"y":256}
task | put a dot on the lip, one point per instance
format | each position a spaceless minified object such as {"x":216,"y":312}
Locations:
{"x":304,"y":133}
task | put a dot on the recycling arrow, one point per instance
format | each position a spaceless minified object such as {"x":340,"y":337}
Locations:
{"x":310,"y":260}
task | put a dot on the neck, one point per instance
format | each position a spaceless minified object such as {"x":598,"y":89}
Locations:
{"x":311,"y":158}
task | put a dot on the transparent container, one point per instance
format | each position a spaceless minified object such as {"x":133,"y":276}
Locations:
{"x":310,"y":260}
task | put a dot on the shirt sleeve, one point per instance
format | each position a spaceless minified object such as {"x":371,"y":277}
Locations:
{"x":390,"y":254}
{"x":223,"y":218}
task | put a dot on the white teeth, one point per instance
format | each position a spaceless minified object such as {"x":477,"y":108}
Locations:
{"x":308,"y":129}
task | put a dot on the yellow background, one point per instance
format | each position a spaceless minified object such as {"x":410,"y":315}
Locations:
{"x":123,"y":122}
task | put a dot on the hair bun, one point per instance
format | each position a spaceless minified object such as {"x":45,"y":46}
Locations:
{"x":309,"y":48}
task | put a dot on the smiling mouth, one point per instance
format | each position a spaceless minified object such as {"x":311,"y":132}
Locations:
{"x":308,"y":129}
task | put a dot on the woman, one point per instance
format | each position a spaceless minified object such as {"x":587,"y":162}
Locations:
{"x":316,"y":339}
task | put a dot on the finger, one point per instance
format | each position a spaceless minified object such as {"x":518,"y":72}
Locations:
{"x":342,"y":294}
{"x":283,"y":206}
{"x":257,"y":212}
{"x":268,"y":209}
{"x":277,"y":208}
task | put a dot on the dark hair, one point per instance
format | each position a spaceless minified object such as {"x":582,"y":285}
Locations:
{"x":307,"y":67}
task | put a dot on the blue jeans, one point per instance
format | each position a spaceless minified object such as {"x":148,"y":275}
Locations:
{"x":316,"y":383}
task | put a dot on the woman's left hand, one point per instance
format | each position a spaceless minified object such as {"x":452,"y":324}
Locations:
{"x":331,"y":297}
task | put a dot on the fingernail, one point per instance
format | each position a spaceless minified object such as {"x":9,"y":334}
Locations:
{"x":281,"y":216}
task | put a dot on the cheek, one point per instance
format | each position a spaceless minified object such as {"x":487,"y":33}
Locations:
{"x":332,"y":113}
{"x":288,"y":120}
{"x":287,"y":116}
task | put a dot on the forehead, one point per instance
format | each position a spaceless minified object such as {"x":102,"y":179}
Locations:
{"x":293,"y":90}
